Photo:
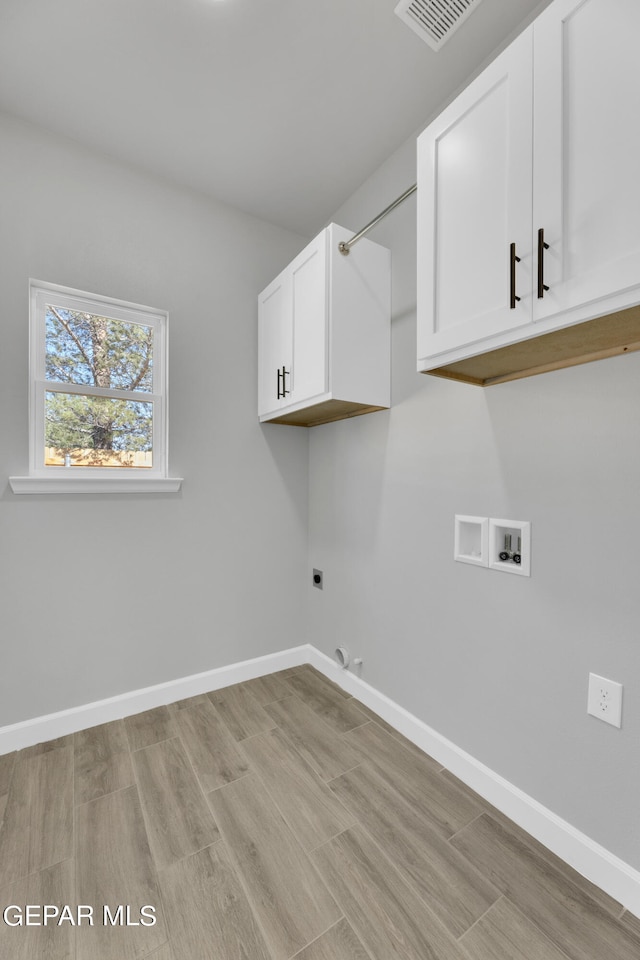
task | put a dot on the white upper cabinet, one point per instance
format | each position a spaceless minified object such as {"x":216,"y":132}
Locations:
{"x":275,"y":307}
{"x":474,"y":202}
{"x":529,"y":203}
{"x":292,"y":332}
{"x":324,"y":334}
{"x":587,"y":151}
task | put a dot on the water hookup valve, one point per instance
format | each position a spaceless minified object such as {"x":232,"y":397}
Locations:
{"x":507,"y":553}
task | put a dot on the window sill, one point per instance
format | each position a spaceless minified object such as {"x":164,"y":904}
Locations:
{"x":47,"y":485}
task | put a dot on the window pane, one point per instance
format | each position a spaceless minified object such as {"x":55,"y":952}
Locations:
{"x":82,"y":431}
{"x":85,"y":348}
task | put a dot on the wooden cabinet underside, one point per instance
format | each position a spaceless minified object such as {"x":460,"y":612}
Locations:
{"x":325,"y":412}
{"x":596,"y":339}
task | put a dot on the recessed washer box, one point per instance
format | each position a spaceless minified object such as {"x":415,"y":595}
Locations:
{"x":471,"y":540}
{"x":510,"y":546}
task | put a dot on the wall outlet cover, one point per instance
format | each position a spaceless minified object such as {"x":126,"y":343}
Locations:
{"x":605,"y":700}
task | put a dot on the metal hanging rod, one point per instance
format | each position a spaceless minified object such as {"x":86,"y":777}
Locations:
{"x":346,"y":245}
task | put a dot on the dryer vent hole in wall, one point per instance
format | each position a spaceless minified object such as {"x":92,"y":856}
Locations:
{"x":435,"y":21}
{"x":344,"y":659}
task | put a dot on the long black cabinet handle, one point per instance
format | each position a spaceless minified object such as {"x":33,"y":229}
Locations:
{"x":513,"y":259}
{"x":282,"y":389}
{"x":542,"y":246}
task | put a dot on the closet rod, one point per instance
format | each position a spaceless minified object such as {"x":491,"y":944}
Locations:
{"x":346,"y":245}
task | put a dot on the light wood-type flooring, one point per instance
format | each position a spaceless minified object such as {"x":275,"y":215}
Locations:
{"x":273,"y":819}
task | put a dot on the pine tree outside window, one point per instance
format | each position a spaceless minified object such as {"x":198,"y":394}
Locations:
{"x":98,"y":405}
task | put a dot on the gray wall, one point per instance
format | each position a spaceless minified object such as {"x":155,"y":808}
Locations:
{"x":105,"y":594}
{"x":496,"y":663}
{"x":101,"y":595}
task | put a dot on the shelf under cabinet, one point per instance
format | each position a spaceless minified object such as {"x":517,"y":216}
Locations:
{"x":326,"y":412}
{"x":607,"y":336}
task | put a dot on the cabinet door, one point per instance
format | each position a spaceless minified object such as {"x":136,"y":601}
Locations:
{"x":275,"y":343}
{"x":474,"y":201}
{"x":309,"y":305}
{"x":587,"y":152}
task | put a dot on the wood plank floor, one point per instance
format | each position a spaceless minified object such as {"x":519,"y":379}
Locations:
{"x":278,"y":818}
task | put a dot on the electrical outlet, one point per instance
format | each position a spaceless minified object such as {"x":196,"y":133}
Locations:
{"x":605,"y":700}
{"x":318,"y":579}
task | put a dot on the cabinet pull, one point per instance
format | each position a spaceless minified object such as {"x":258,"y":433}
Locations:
{"x":513,"y":259}
{"x":279,"y":375}
{"x":542,"y":246}
{"x":285,"y":373}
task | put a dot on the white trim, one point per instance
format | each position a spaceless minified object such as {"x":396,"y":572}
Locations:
{"x":53,"y":725}
{"x":610,"y":873}
{"x":617,"y":878}
{"x":86,"y":390}
{"x":47,"y":485}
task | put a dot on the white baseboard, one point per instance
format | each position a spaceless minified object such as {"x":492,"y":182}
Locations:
{"x":29,"y":732}
{"x":593,"y":861}
{"x":614,"y":876}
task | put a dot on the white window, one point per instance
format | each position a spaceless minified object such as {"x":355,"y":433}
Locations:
{"x":98,"y":394}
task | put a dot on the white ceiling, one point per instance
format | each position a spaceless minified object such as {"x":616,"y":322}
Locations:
{"x":279,"y":107}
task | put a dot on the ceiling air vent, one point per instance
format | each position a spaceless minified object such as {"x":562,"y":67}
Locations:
{"x":435,"y":20}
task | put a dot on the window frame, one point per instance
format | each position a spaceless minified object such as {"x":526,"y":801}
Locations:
{"x":94,"y":479}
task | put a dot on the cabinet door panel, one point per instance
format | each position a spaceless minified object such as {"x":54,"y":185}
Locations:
{"x":275,"y":326}
{"x":587,"y":150}
{"x":474,"y":200}
{"x":308,"y":277}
